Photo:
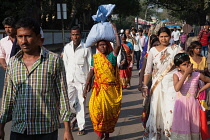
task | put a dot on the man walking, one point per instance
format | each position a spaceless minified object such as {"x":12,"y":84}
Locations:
{"x":34,"y":89}
{"x":77,"y":62}
{"x":6,"y":43}
{"x":176,"y":36}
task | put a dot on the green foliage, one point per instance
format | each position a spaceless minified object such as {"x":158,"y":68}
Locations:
{"x":192,"y":11}
{"x":45,"y":11}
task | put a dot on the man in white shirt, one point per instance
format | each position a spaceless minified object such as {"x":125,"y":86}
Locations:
{"x":137,"y":47}
{"x":142,"y":39}
{"x":6,"y":43}
{"x":77,"y":60}
{"x":176,"y":36}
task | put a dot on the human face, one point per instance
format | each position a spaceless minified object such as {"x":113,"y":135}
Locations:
{"x":76,"y":37}
{"x":28,"y":40}
{"x":182,"y":67}
{"x":123,"y":39}
{"x":10,"y":31}
{"x":102,"y":47}
{"x":197,"y":50}
{"x":127,"y":32}
{"x":164,"y":39}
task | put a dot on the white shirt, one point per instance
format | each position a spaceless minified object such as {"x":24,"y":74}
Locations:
{"x":175,"y":35}
{"x":76,"y":62}
{"x":137,"y":46}
{"x":5,"y":48}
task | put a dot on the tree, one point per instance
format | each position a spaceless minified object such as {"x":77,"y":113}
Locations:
{"x":192,"y":11}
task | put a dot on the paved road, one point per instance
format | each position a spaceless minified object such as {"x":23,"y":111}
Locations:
{"x":128,"y":126}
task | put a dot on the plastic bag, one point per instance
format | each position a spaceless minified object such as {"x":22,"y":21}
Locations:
{"x":100,"y":31}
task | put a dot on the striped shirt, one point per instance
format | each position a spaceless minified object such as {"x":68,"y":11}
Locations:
{"x":204,"y":37}
{"x":32,"y":100}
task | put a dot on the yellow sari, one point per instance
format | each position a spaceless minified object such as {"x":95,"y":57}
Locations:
{"x":105,"y":101}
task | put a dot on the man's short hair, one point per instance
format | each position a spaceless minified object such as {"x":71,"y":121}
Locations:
{"x":140,"y":31}
{"x":9,"y":21}
{"x":76,"y":28}
{"x":30,"y":23}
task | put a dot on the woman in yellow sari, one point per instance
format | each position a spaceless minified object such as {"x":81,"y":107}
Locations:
{"x":105,"y":101}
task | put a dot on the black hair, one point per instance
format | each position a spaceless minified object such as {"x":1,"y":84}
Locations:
{"x":164,"y":29}
{"x":76,"y":28}
{"x":154,"y":40}
{"x":192,"y":46}
{"x":30,"y":23}
{"x":180,"y":58}
{"x":9,"y":21}
{"x":134,"y":30}
{"x":124,"y":35}
{"x":140,"y":31}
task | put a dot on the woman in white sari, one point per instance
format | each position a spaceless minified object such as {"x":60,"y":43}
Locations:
{"x":160,"y":66}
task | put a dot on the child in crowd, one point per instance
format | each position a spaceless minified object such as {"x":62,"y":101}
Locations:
{"x":199,"y":62}
{"x":186,"y":121}
{"x":183,"y":39}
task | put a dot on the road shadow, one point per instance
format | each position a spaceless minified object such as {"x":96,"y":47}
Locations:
{"x":133,"y":136}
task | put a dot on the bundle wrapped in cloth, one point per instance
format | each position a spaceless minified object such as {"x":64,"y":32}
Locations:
{"x":102,"y":30}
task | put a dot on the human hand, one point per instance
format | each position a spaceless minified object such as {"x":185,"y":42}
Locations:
{"x":189,"y":69}
{"x":122,"y":62}
{"x":144,"y":90}
{"x":114,"y":26}
{"x":140,"y":87}
{"x":68,"y":135}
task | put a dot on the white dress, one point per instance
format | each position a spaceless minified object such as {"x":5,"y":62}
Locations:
{"x":159,"y":123}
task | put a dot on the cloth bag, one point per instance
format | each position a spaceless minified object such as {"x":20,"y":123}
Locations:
{"x":102,"y":30}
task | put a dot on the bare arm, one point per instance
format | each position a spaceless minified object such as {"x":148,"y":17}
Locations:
{"x":3,"y":63}
{"x":88,"y":84}
{"x":67,"y":132}
{"x":118,"y":44}
{"x":141,"y":75}
{"x":178,"y":83}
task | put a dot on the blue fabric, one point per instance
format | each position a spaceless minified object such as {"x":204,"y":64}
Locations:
{"x":204,"y":51}
{"x":103,"y":12}
{"x":130,"y":45}
{"x":143,"y":54}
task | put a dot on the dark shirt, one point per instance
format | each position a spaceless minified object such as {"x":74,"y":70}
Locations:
{"x":15,"y":48}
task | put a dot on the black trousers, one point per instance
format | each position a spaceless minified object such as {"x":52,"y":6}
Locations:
{"x":49,"y":136}
{"x":137,"y":56}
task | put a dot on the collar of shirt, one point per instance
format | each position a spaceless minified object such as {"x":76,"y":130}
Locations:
{"x":42,"y":53}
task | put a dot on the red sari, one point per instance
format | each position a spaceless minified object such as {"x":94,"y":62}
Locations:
{"x":125,"y":75}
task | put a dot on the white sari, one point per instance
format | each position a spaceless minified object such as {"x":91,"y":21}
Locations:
{"x":163,"y":94}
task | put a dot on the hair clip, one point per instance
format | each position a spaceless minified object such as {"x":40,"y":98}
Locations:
{"x":181,"y":56}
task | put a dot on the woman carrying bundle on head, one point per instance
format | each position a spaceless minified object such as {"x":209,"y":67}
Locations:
{"x":105,"y":101}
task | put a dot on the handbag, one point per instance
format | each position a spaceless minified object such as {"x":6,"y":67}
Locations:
{"x":123,"y":58}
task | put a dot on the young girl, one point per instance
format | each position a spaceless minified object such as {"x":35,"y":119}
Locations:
{"x":186,"y":120}
{"x":199,"y":62}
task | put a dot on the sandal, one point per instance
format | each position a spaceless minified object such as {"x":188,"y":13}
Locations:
{"x":80,"y":133}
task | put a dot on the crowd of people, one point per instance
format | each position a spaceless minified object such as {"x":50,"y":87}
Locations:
{"x":41,"y":86}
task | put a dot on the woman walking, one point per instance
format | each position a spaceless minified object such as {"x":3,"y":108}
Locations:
{"x":160,"y":65}
{"x":125,"y":74}
{"x":105,"y":101}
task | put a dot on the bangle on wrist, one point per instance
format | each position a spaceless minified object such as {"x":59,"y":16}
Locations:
{"x":144,"y":86}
